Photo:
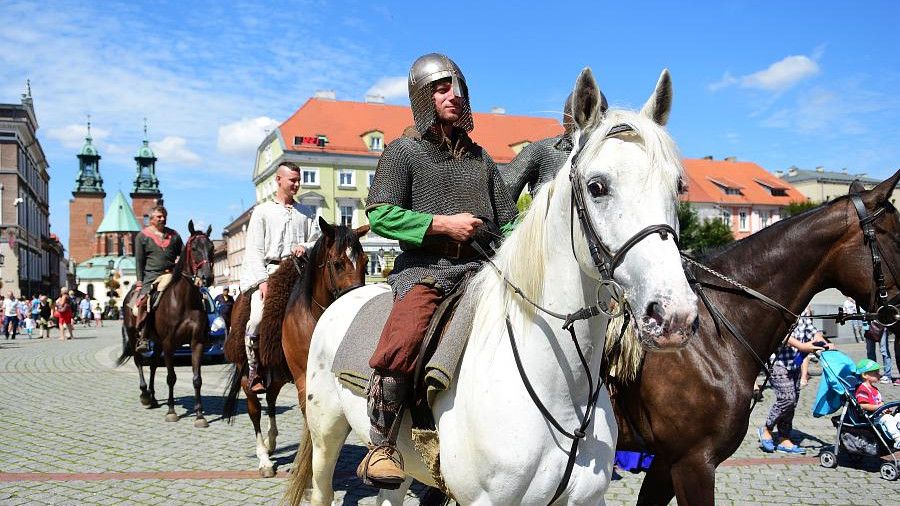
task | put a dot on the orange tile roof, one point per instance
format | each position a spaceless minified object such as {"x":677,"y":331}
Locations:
{"x":344,"y":123}
{"x":751,"y":179}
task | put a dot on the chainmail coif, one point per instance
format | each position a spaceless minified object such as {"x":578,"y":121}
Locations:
{"x":536,"y":164}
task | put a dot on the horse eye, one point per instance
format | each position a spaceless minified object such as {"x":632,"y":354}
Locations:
{"x":597,"y":189}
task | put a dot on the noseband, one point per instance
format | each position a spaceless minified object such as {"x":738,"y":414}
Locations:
{"x":336,"y":292}
{"x":189,"y":257}
{"x":887,"y":313}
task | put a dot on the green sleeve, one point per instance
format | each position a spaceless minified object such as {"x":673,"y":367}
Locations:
{"x":394,"y":222}
{"x":508,"y":227}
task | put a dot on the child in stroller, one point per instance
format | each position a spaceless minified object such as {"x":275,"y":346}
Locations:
{"x":870,"y":400}
{"x":859,"y":432}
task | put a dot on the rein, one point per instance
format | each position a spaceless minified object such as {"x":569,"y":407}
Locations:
{"x":191,"y":266}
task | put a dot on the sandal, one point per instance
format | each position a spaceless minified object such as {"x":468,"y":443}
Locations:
{"x":766,"y":444}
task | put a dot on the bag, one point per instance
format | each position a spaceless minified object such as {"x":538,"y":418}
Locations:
{"x":874,"y":332}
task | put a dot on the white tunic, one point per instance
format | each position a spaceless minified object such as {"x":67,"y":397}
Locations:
{"x":273,"y":232}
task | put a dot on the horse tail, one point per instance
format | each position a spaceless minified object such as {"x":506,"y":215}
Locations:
{"x":229,"y":410}
{"x":127,"y":350}
{"x":301,"y":472}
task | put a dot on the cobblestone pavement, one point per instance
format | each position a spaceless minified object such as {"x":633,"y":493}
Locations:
{"x":74,"y":432}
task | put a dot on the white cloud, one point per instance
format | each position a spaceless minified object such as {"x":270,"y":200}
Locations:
{"x":779,"y":76}
{"x":173,"y":149}
{"x":243,"y":137}
{"x":72,"y":136}
{"x":391,"y":88}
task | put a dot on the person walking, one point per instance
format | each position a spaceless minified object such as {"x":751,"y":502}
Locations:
{"x":98,"y":316}
{"x":65,"y":315}
{"x":10,"y":315}
{"x":85,"y":310}
{"x":44,"y":316}
{"x":224,"y":302}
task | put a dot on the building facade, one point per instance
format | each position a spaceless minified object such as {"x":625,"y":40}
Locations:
{"x":235,"y":237}
{"x":743,"y":195}
{"x":28,"y":253}
{"x":822,"y":185}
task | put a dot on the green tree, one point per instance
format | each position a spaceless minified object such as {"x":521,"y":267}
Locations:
{"x":698,"y":236}
{"x":798,"y":206}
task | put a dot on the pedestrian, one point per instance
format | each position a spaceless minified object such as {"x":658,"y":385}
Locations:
{"x":870,"y":399}
{"x":85,"y":310}
{"x":35,"y":306}
{"x":64,"y":315}
{"x":29,"y":326}
{"x":44,"y":316}
{"x":877,"y":335}
{"x":10,"y":315}
{"x":785,"y":379}
{"x":809,"y":333}
{"x":98,"y":316}
{"x":224,"y":303}
{"x":851,"y":307}
{"x":23,"y":310}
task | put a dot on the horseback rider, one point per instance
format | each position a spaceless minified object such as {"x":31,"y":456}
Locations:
{"x":156,"y":251}
{"x":278,"y":229}
{"x":539,"y":162}
{"x":433,"y":189}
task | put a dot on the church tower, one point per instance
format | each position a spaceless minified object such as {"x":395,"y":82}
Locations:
{"x":86,"y":205}
{"x":145,"y":193}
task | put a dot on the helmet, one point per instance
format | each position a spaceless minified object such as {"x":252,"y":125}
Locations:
{"x":424,"y":72}
{"x":867,"y":365}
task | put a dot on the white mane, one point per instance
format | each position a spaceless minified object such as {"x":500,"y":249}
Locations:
{"x":523,"y":255}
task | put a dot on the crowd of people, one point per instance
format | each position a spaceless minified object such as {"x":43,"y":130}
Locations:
{"x":34,"y":316}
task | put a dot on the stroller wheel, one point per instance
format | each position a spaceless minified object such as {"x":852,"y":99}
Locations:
{"x":828,"y":459}
{"x":889,"y":471}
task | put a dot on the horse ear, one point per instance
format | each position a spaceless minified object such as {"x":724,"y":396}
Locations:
{"x":856,"y":188}
{"x":191,"y":227}
{"x":660,"y":103}
{"x":209,"y":231}
{"x":326,"y":228}
{"x":586,"y":100}
{"x":361,"y":231}
{"x":882,"y":193}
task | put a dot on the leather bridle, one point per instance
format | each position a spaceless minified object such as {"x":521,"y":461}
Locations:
{"x":887,"y":314}
{"x":194,"y":266}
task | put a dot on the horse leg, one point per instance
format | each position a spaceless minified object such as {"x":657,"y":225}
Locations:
{"x":393,"y":497}
{"x":196,"y":358}
{"x":327,"y":440}
{"x":695,"y":482}
{"x":154,"y":363}
{"x":657,"y":488}
{"x":145,"y":392}
{"x":171,"y":416}
{"x":271,"y":397}
{"x":254,"y":410}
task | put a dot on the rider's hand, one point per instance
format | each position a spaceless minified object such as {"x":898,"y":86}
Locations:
{"x":459,"y":227}
{"x":263,"y":289}
{"x":298,"y":250}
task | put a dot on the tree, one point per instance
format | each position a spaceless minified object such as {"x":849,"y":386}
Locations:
{"x":799,"y":206}
{"x":698,"y":236}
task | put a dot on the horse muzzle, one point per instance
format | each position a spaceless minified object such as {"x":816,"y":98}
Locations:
{"x":667,"y":328}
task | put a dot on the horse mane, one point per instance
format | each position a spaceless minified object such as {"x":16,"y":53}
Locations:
{"x":344,"y":238}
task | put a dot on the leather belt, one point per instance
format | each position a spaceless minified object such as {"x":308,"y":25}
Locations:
{"x":450,"y":249}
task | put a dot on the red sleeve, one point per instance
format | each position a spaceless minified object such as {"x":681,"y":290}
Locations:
{"x":863,"y":395}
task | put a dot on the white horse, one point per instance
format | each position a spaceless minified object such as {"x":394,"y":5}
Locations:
{"x":495,"y":446}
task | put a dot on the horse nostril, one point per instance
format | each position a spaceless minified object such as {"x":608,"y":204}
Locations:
{"x":656,"y":311}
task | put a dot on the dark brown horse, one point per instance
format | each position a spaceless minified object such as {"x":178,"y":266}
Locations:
{"x":335,"y":265}
{"x":179,"y":318}
{"x":692,"y":407}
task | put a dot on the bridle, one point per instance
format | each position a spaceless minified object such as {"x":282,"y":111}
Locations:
{"x":332,"y":284}
{"x":605,"y":262}
{"x":887,"y":314}
{"x":190,"y":263}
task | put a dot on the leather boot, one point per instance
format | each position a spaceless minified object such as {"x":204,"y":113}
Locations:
{"x":383,"y":465}
{"x":253,"y":377}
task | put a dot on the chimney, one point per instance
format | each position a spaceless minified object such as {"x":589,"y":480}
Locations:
{"x":730,"y":158}
{"x":374,"y":99}
{"x":820,"y":168}
{"x":779,"y":173}
{"x":325,"y":94}
{"x":793,"y":171}
{"x":498,"y":110}
{"x":708,"y":157}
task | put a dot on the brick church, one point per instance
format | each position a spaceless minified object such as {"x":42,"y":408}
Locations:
{"x":101,"y":238}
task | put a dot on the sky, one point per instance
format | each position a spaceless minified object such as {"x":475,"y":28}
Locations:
{"x":777,"y":83}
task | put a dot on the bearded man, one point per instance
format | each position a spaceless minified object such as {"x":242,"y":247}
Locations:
{"x":156,"y":251}
{"x":278,"y":229}
{"x":433,"y":189}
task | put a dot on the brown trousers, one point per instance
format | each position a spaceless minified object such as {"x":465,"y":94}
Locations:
{"x":398,"y":347}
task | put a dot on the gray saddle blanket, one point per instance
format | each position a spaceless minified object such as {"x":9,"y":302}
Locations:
{"x":351,"y":362}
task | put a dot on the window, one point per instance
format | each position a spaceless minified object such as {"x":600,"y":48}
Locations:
{"x":345,"y":178}
{"x":146,"y":220}
{"x":726,"y":218}
{"x":374,"y":266}
{"x":89,"y":218}
{"x":371,"y":177}
{"x":742,"y":218}
{"x":779,"y":192}
{"x":311,"y":177}
{"x":732,"y":191}
{"x":298,"y":140}
{"x":376,"y":143}
{"x":90,"y":290}
{"x":347,"y":216}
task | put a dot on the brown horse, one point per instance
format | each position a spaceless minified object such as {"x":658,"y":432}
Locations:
{"x":692,"y":407}
{"x":336,"y":264}
{"x":179,"y":318}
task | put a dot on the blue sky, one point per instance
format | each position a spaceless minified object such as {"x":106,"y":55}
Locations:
{"x":780,"y":84}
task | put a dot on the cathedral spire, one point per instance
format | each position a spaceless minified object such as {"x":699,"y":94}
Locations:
{"x":88,"y":180}
{"x":145,"y":181}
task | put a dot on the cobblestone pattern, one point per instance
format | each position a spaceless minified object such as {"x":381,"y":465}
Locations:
{"x":65,"y":408}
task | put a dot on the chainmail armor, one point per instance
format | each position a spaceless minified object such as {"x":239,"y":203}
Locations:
{"x":434,"y":176}
{"x":536,"y":164}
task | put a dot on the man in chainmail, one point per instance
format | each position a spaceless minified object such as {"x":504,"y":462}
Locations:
{"x":539,"y":161}
{"x":434,"y":191}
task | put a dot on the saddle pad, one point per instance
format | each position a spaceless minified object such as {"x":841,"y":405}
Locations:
{"x":351,"y":362}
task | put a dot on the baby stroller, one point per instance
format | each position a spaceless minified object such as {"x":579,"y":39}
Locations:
{"x":857,"y":432}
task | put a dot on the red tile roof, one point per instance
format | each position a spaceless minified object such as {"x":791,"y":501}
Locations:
{"x":344,"y":123}
{"x":705,"y":177}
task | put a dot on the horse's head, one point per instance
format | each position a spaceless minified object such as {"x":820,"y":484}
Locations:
{"x":854,"y":270}
{"x":626,"y":173}
{"x":198,"y":255}
{"x":339,"y":258}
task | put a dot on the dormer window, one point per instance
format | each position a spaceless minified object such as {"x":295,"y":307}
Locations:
{"x":727,"y":187}
{"x":775,"y":191}
{"x":375,"y":144}
{"x":374,"y":140}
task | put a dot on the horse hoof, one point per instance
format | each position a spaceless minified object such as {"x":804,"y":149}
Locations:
{"x":145,"y":400}
{"x":171,"y":417}
{"x":154,"y":404}
{"x":267,"y":472}
{"x":201,"y":423}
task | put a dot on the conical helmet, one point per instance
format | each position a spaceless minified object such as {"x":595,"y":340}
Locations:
{"x":427,"y":70}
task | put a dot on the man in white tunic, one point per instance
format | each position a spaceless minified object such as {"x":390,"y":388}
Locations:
{"x":277,"y":230}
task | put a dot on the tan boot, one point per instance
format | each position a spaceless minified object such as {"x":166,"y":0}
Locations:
{"x":383,"y":465}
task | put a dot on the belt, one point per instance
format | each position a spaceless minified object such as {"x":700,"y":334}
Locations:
{"x":450,"y":249}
